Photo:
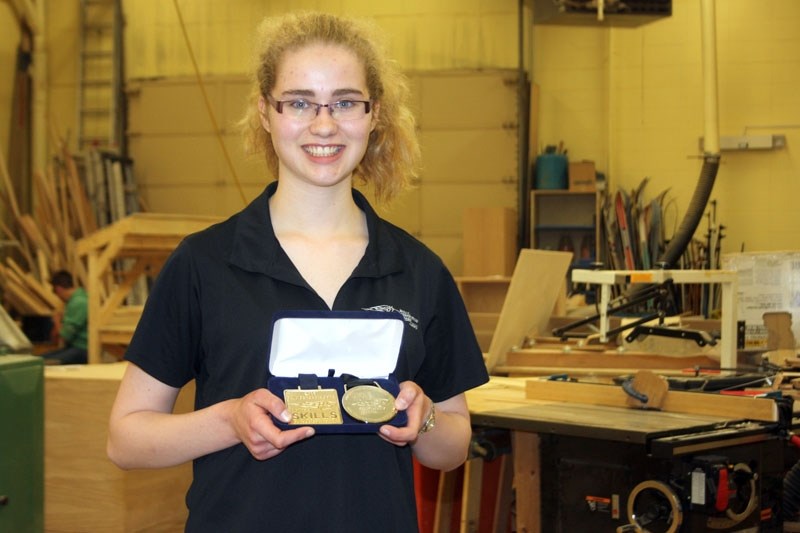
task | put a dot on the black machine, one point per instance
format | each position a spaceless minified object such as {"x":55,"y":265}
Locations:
{"x":726,"y":479}
{"x":619,"y":487}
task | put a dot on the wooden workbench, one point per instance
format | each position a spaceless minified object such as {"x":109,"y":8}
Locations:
{"x":143,"y":241}
{"x":503,"y":403}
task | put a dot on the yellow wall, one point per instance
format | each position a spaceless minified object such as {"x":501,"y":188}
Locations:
{"x":632,"y":100}
{"x":422,"y":34}
{"x":628,"y":98}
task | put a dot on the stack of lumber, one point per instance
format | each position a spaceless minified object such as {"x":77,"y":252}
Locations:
{"x":44,"y":241}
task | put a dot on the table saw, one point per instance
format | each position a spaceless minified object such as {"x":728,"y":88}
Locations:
{"x":588,"y":467}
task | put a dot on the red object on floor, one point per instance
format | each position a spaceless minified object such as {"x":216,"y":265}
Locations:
{"x":426,"y":487}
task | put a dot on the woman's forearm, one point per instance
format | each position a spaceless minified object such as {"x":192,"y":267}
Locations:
{"x":153,"y":439}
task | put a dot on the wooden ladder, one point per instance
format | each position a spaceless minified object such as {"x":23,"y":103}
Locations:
{"x":100,"y":85}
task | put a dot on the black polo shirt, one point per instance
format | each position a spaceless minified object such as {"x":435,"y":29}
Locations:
{"x":209,"y":318}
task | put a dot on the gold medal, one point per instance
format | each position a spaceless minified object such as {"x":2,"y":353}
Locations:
{"x":368,"y":403}
{"x":313,"y":406}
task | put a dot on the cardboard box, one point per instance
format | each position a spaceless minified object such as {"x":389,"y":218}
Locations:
{"x":582,"y":176}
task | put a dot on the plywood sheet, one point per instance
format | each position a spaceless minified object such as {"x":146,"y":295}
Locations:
{"x":535,"y":288}
{"x":490,"y":241}
{"x":84,"y":491}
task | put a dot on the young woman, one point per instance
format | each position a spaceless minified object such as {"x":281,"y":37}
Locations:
{"x":328,"y":108}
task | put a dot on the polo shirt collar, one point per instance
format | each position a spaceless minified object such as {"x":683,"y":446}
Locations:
{"x":255,"y":247}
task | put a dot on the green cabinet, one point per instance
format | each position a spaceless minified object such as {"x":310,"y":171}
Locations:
{"x":21,"y":444}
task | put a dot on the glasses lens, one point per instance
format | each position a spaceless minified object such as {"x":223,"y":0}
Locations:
{"x":300,"y":109}
{"x":347,"y":109}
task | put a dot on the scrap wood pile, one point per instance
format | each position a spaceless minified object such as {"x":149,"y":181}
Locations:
{"x":45,"y":241}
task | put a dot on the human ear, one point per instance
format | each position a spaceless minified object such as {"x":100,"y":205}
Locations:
{"x":262,"y":112}
{"x":374,"y":114}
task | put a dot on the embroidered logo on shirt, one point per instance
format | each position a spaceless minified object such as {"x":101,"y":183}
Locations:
{"x":407,"y":317}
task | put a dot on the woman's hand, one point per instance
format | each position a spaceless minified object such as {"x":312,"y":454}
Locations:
{"x":446,"y":445}
{"x":256,"y":430}
{"x":417,"y":406}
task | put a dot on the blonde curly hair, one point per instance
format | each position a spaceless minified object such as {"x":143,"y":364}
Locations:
{"x":392,"y":158}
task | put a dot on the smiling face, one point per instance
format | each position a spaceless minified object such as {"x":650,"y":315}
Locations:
{"x":324,"y":151}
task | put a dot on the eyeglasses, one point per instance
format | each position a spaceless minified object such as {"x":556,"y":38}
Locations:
{"x":305,"y":111}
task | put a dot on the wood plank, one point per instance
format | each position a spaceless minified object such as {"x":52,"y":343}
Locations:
{"x":445,"y":495}
{"x":579,"y":358}
{"x":600,"y":373}
{"x":33,"y":305}
{"x":148,"y":224}
{"x":698,"y":403}
{"x":80,"y":203}
{"x":39,"y":290}
{"x":117,"y":298}
{"x":44,"y":269}
{"x":534,"y":289}
{"x":8,"y":187}
{"x":471,"y":495}
{"x":527,"y":481}
{"x":505,"y":495}
{"x":32,"y":231}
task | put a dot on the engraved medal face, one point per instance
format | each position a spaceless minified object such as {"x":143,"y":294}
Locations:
{"x":369,"y":404}
{"x":313,"y":406}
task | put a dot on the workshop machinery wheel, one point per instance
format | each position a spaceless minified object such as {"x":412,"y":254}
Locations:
{"x":654,"y":508}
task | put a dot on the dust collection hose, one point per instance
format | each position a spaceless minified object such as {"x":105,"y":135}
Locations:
{"x":791,"y":487}
{"x":791,"y":494}
{"x":694,"y":213}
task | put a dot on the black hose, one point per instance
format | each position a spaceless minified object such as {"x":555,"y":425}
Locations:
{"x":791,"y":493}
{"x":694,"y":213}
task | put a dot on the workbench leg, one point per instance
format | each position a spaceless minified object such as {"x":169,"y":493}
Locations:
{"x":471,"y":495}
{"x":443,"y":517}
{"x":505,"y":495}
{"x":527,"y":481}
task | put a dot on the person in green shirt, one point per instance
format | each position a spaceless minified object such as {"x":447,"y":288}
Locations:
{"x":71,"y":326}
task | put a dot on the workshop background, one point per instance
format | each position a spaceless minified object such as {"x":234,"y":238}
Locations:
{"x":628,"y":97}
{"x":495,"y":84}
